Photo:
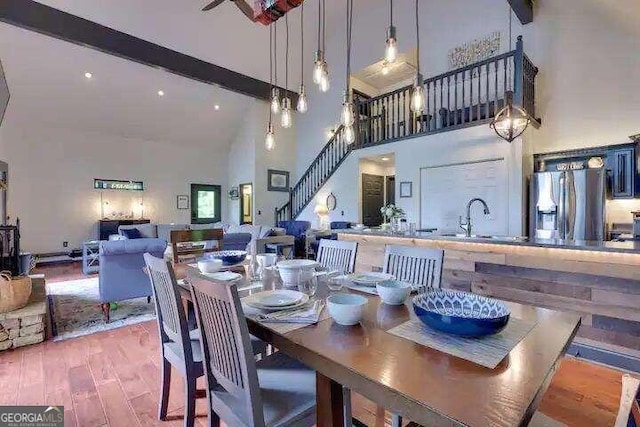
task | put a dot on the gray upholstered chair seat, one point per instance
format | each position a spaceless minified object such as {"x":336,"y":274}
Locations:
{"x":174,"y":350}
{"x":288,"y":391}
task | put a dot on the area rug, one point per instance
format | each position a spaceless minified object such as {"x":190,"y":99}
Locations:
{"x":75,"y":309}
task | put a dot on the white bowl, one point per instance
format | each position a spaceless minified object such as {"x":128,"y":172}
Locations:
{"x":293,"y":270}
{"x":393,"y":292}
{"x":209,"y":265}
{"x":346,"y":309}
{"x":266,"y":260}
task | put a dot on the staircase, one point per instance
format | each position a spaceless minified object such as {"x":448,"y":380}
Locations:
{"x":468,"y":96}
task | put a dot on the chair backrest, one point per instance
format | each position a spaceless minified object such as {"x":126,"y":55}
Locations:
{"x":172,"y":322}
{"x":226,"y":346}
{"x":186,"y":236}
{"x":337,"y":254}
{"x":629,"y":409}
{"x":422,"y":267}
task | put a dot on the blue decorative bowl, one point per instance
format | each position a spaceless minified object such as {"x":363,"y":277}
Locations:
{"x":461,"y":313}
{"x":229,"y":257}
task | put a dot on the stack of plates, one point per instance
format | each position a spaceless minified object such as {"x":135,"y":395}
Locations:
{"x":282,"y":299}
{"x":369,"y":279}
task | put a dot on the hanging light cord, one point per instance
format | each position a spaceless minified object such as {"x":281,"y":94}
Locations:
{"x":270,"y":64}
{"x":510,"y":45}
{"x":286,"y":53}
{"x":275,"y":53}
{"x":302,"y":44}
{"x":418,"y":38}
{"x":324,"y":26}
{"x":349,"y":25}
{"x":391,"y":13}
{"x":319,"y":20}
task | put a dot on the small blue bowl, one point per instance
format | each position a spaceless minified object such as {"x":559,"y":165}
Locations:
{"x":461,"y":313}
{"x":229,"y":257}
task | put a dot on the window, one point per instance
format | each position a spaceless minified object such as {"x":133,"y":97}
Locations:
{"x":205,"y":203}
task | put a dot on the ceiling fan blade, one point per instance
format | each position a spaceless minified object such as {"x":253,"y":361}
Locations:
{"x":213,"y":4}
{"x":245,"y":8}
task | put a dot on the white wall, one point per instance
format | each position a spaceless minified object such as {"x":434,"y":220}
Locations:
{"x":52,"y":172}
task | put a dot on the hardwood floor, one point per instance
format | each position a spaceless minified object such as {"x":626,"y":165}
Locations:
{"x":112,"y":378}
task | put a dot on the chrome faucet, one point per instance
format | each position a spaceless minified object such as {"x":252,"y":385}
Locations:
{"x":466,"y":226}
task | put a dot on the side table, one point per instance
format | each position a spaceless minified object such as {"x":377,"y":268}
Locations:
{"x":90,"y":257}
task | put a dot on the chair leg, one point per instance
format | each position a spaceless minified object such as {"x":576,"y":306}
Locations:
{"x":148,"y":299}
{"x":190,"y":401}
{"x":165,"y":385}
{"x":396,"y":420}
{"x":346,"y":398}
{"x":106,"y":307}
{"x":213,"y":420}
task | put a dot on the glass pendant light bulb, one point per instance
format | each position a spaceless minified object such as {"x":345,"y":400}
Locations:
{"x":417,"y":98}
{"x":324,"y":80}
{"x":391,"y":49}
{"x":349,"y":134}
{"x":302,"y":100}
{"x":275,"y":101}
{"x":286,"y":119}
{"x":347,"y":116}
{"x":317,"y":67}
{"x":270,"y":140}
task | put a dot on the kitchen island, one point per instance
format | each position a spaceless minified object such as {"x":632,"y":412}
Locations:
{"x":598,"y":280}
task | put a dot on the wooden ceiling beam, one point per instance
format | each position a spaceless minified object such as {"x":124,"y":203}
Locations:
{"x":523,"y":10}
{"x":34,"y":16}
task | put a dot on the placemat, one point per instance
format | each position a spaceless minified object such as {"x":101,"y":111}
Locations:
{"x":281,"y":328}
{"x":486,"y":351}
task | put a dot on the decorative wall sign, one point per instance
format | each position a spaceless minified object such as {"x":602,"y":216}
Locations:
{"x":406,"y":189}
{"x":331,"y":202}
{"x":182,"y":202}
{"x":474,"y":51}
{"x":113,"y":184}
{"x":277,"y":180}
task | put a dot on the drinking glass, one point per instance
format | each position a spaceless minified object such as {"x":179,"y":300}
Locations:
{"x":307,"y":282}
{"x":336,"y":282}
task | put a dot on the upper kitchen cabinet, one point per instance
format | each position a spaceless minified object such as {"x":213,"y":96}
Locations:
{"x":621,"y":165}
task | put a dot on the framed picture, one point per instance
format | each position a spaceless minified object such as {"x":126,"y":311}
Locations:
{"x":331,"y":202}
{"x":183,"y":202}
{"x":406,"y":189}
{"x":277,"y":180}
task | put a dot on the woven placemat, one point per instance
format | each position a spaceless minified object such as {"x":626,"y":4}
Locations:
{"x":486,"y":351}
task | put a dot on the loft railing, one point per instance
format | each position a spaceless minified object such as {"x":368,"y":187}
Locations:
{"x":459,"y":98}
{"x":468,"y":96}
{"x":320,"y":170}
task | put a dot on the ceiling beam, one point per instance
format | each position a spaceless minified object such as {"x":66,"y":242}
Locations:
{"x":55,"y":23}
{"x":523,"y":10}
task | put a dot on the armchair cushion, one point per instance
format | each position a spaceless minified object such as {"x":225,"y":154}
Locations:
{"x":146,"y":230}
{"x":298,"y":230}
{"x":132,"y":233}
{"x":340,"y":225}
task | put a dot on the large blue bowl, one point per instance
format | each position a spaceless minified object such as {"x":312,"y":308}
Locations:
{"x":461,"y":313}
{"x":229,"y":257}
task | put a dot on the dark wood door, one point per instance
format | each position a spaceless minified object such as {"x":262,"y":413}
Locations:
{"x":372,"y":199}
{"x":390,"y":183}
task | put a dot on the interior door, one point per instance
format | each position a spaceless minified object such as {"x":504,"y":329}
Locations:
{"x":246,"y":203}
{"x":390,"y":183}
{"x":372,"y":199}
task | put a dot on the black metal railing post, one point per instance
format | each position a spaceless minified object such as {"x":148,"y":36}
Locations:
{"x":518,"y":74}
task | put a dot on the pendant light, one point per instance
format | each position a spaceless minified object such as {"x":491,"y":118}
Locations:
{"x":348,"y":110}
{"x":302,"y":94}
{"x":417,"y":95}
{"x":275,"y":92}
{"x":270,"y":140}
{"x":391,"y":49}
{"x":321,"y":70}
{"x":286,"y":118}
{"x":512,"y":120}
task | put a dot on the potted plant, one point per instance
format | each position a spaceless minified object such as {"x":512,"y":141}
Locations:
{"x":392,"y":216}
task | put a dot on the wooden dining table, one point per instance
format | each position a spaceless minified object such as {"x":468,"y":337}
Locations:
{"x":420,"y":383}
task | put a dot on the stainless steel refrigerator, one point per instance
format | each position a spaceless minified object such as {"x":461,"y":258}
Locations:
{"x":568,"y":204}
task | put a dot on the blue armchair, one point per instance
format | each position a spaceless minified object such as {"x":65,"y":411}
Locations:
{"x":122,"y":273}
{"x":297,"y":229}
{"x":334,"y":225}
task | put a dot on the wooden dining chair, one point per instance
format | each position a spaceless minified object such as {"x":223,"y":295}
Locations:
{"x":337,"y":255}
{"x":272,"y":392}
{"x":179,"y":347}
{"x":200,"y":239}
{"x":422,"y":267}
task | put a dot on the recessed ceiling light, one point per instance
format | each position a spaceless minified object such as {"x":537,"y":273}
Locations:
{"x":160,"y":93}
{"x":88,"y":75}
{"x":384,"y":159}
{"x":217,"y":107}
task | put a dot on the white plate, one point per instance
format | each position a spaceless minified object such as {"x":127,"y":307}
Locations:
{"x":225,"y":276}
{"x":278,"y":298}
{"x":255,"y":300}
{"x":369,"y":279}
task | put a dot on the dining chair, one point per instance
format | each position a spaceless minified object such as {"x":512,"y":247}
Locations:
{"x":272,"y":392}
{"x":337,"y":254}
{"x":179,"y":347}
{"x":201,"y":240}
{"x":422,"y":267}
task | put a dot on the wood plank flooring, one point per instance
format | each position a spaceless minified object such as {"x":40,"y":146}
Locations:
{"x":112,"y":379}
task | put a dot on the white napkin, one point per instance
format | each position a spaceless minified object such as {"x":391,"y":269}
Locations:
{"x":310,"y":313}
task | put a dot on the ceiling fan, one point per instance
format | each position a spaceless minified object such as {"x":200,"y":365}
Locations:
{"x":265,"y":12}
{"x":242,"y":5}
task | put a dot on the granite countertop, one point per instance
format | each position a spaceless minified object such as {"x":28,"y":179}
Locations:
{"x":632,"y":247}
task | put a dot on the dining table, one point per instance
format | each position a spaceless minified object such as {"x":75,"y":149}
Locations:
{"x":420,"y":383}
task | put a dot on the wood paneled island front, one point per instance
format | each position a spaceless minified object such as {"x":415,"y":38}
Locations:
{"x":599,"y":281}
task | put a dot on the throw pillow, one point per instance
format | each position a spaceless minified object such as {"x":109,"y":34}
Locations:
{"x":131,"y":233}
